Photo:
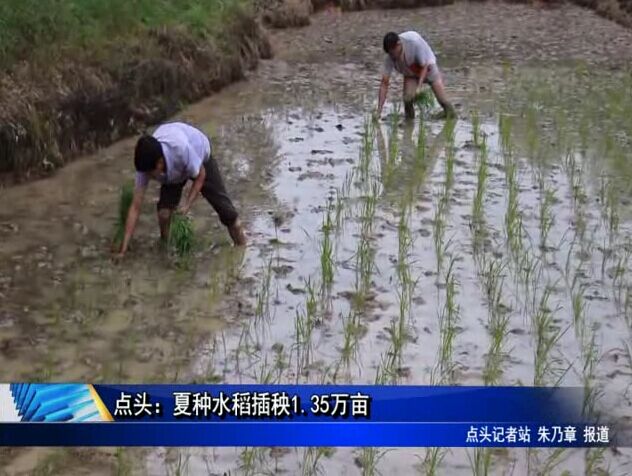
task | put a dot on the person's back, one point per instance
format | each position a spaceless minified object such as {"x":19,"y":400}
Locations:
{"x":417,"y":51}
{"x":182,"y":133}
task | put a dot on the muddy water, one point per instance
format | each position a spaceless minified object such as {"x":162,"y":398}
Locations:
{"x":293,"y":143}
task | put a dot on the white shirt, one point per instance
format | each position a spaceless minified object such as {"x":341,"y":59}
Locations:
{"x":184,"y":149}
{"x":416,"y":54}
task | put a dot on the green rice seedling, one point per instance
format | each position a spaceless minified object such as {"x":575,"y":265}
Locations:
{"x":432,"y":461}
{"x":552,"y":462}
{"x":393,"y":141}
{"x":180,"y":466}
{"x":327,"y":260}
{"x":262,"y":308}
{"x":304,"y":326}
{"x":249,"y":459}
{"x":125,"y":202}
{"x":351,"y":334}
{"x":595,"y":462}
{"x":339,"y":207}
{"x":513,"y":221}
{"x":369,"y":206}
{"x":366,"y":152}
{"x":476,"y":129}
{"x":530,"y":271}
{"x":498,"y":321}
{"x":124,"y":465}
{"x":579,"y":309}
{"x":311,"y":302}
{"x":347,"y":184}
{"x":365,"y":263}
{"x":449,"y":315}
{"x":438,"y":233}
{"x":627,"y":306}
{"x":612,"y":212}
{"x":313,"y":456}
{"x":547,"y":335}
{"x":504,"y":126}
{"x":449,"y":170}
{"x":481,"y":462}
{"x":393,"y":160}
{"x":405,"y":243}
{"x":425,"y":100}
{"x":386,"y":370}
{"x":181,"y":235}
{"x":619,"y":284}
{"x":479,"y":197}
{"x":397,"y":331}
{"x":449,"y":131}
{"x":421,"y":142}
{"x":533,"y":138}
{"x":546,"y":216}
{"x":579,"y":195}
{"x":590,"y":356}
{"x":369,"y":460}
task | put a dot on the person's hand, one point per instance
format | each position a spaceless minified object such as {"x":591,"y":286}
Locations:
{"x":376,"y":115}
{"x":183,"y":210}
{"x":118,"y":256}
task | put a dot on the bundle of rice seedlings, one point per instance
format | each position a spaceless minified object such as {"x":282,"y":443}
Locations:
{"x":181,"y":235}
{"x":125,"y":202}
{"x":425,"y":99}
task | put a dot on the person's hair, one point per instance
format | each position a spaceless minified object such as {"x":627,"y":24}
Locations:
{"x":148,"y":152}
{"x":390,"y":41}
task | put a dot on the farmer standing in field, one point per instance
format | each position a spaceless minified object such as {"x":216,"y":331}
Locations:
{"x":174,"y":154}
{"x":410,"y":55}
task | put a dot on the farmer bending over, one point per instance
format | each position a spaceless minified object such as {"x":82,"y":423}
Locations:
{"x":410,"y":55}
{"x":174,"y":154}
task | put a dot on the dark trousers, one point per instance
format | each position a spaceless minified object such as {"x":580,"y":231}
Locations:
{"x":213,"y":190}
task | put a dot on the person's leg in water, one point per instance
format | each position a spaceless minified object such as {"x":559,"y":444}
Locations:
{"x":411,"y":84}
{"x":215,"y":193}
{"x":435,"y":79}
{"x":170,"y":195}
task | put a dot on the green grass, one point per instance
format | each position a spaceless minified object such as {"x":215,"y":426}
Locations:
{"x":125,"y":202}
{"x":47,"y":29}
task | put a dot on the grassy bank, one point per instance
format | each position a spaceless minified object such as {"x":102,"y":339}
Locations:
{"x":51,"y":29}
{"x":79,"y":74}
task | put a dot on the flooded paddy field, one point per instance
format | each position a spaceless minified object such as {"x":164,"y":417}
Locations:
{"x":492,"y":250}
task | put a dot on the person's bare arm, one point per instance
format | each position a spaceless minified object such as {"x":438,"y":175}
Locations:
{"x":198,"y":183}
{"x":382,"y":95}
{"x":423,"y":73}
{"x":132,"y":218}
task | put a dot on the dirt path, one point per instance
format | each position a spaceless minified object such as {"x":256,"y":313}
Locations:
{"x":289,"y":138}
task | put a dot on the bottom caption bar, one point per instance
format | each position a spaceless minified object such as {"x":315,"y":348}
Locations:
{"x":301,"y":434}
{"x":299,"y":415}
